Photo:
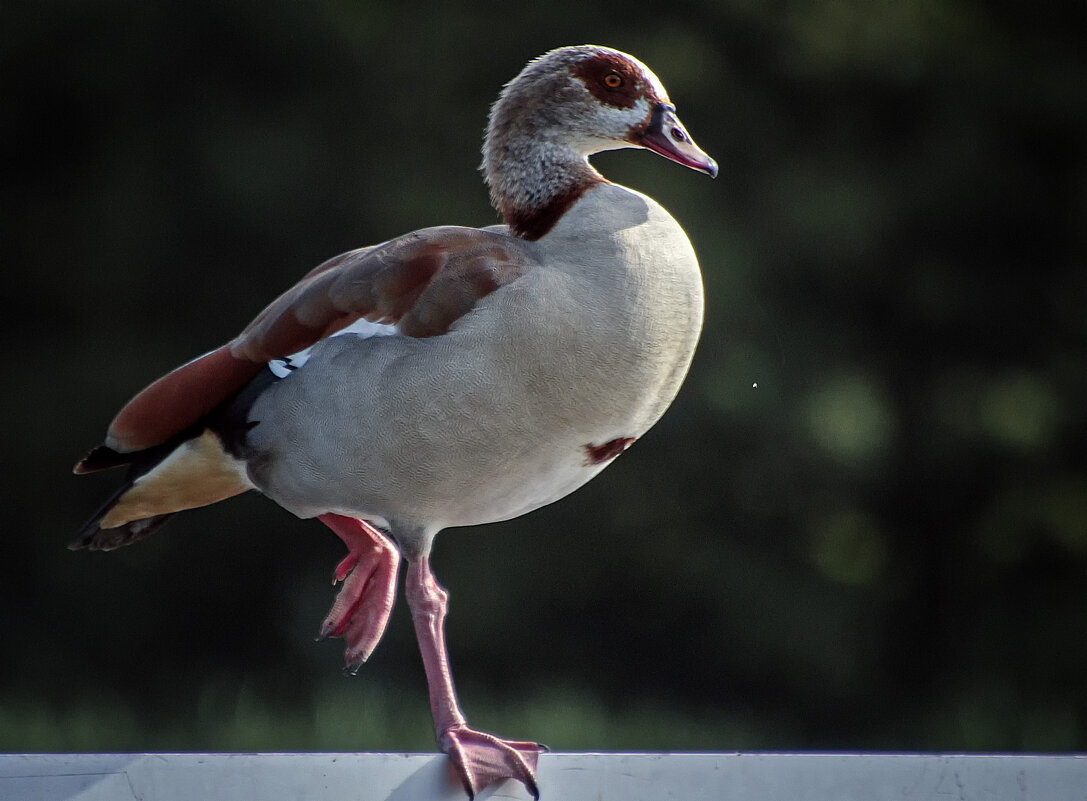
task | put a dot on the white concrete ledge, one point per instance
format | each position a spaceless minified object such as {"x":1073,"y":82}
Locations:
{"x":563,"y":777}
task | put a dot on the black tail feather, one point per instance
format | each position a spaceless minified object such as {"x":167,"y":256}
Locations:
{"x":229,"y":422}
{"x":93,"y":537}
{"x":102,"y":458}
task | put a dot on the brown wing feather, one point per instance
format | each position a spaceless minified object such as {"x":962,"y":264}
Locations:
{"x":178,"y":399}
{"x":423,"y":282}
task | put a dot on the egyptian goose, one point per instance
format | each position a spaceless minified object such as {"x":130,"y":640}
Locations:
{"x":449,"y":377}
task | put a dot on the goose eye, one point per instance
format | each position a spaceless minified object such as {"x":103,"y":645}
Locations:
{"x":613,"y":80}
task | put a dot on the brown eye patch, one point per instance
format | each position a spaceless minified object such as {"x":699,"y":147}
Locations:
{"x":612,"y":79}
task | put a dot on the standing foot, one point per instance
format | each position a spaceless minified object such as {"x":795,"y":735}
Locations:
{"x":366,"y":599}
{"x":482,"y":759}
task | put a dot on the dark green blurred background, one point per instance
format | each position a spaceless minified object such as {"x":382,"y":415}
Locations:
{"x":862,"y":525}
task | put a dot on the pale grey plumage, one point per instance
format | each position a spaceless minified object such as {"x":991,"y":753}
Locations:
{"x":451,"y":376}
{"x":491,"y":419}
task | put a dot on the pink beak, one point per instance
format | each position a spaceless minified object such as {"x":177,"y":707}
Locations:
{"x":667,"y":136}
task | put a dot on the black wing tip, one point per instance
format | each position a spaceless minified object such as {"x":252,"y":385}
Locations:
{"x":102,"y":458}
{"x":92,"y":537}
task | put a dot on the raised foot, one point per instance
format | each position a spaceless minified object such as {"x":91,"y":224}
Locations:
{"x":482,"y":759}
{"x":365,"y":601}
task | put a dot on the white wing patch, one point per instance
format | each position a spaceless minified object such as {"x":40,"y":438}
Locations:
{"x":363,"y":329}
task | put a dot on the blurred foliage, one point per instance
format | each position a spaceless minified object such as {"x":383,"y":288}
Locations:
{"x":864,"y":522}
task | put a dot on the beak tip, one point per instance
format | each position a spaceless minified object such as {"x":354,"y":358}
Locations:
{"x":665,"y":135}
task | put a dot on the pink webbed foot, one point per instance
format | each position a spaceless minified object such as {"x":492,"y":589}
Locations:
{"x":481,"y":759}
{"x":365,"y":601}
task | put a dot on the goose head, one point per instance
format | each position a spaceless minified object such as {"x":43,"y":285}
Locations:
{"x":560,"y":109}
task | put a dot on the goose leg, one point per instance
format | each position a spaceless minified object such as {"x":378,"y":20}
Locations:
{"x":479,"y":758}
{"x":365,"y":601}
